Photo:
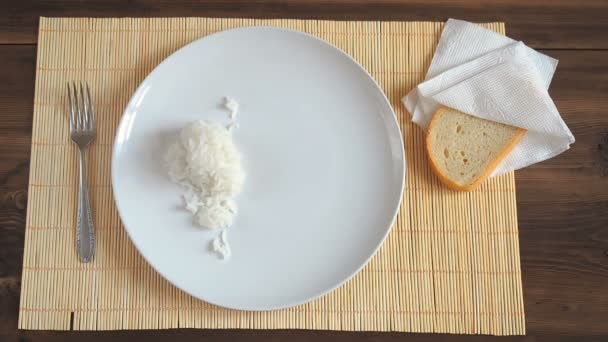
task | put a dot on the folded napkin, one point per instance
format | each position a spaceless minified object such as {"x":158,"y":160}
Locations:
{"x":485,"y":74}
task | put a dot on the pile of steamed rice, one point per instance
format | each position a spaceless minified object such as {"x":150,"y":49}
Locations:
{"x":207,"y":162}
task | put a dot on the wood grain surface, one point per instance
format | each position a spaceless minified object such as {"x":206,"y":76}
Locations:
{"x":541,"y":24}
{"x":562,"y":202}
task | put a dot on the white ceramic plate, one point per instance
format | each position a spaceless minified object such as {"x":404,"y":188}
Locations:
{"x":322,"y":151}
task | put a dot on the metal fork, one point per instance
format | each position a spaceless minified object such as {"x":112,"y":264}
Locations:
{"x":82,"y":132}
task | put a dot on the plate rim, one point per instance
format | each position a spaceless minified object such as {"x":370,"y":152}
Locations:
{"x":133,"y":98}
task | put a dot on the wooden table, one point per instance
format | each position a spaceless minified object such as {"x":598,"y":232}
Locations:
{"x":562,"y":202}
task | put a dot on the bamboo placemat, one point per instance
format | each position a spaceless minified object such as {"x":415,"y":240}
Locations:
{"x":451,"y":263}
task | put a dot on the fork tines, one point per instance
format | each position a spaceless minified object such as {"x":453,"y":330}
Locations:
{"x":82,"y":115}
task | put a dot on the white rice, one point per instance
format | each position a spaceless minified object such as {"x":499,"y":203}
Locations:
{"x":207,"y":162}
{"x":220,"y":245}
{"x":232,"y":106}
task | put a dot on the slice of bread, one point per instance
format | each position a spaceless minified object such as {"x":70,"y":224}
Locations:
{"x":464,"y":150}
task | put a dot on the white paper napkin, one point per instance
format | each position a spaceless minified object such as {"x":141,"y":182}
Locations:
{"x":485,"y":74}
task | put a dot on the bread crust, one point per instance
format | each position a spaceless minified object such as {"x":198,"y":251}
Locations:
{"x":483,"y":175}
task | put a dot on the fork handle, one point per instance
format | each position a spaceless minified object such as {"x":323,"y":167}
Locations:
{"x":85,"y":230}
